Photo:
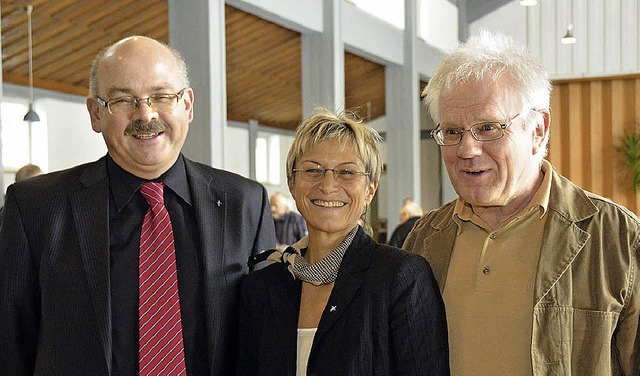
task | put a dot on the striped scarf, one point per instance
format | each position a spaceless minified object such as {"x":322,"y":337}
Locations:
{"x":322,"y":272}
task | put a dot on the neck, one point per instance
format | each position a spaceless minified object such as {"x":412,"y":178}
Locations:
{"x":497,"y":216}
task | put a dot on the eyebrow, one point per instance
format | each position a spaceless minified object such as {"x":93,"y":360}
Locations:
{"x":129,"y":92}
{"x":448,"y":125}
{"x":338,"y":165}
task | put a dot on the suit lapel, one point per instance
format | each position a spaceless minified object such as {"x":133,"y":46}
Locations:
{"x":90,"y":205}
{"x":356,"y":259}
{"x":563,"y":239}
{"x":210,"y":210}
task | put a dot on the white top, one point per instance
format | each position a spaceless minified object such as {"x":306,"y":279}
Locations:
{"x":305,"y":340}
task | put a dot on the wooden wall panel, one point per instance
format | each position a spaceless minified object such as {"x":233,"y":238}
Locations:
{"x":588,"y":119}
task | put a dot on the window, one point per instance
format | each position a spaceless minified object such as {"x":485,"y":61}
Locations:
{"x":268,"y":158}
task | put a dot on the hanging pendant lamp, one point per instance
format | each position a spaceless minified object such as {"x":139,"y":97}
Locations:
{"x":31,"y":115}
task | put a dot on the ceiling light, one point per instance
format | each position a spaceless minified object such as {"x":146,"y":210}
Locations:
{"x":31,"y":115}
{"x":568,"y":37}
{"x":528,"y":3}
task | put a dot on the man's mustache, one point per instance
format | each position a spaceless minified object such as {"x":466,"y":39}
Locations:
{"x":153,"y":126}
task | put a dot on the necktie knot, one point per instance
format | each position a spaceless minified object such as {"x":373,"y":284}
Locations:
{"x":153,"y":192}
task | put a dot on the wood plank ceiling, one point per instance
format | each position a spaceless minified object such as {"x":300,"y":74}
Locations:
{"x":263,"y":59}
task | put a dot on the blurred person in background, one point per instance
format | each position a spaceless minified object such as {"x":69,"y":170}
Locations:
{"x":409,"y":214}
{"x":290,"y":226}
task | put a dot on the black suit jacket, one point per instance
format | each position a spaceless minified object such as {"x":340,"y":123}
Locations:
{"x":55,"y":299}
{"x":385,"y":316}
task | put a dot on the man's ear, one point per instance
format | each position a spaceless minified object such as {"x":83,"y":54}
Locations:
{"x":188,"y":102}
{"x":94,"y":113}
{"x":541,"y":131}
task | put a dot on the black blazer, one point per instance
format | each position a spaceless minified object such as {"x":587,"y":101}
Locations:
{"x":385,"y":316}
{"x":55,"y":299}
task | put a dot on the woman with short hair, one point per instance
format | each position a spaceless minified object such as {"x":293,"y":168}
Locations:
{"x":337,"y":302}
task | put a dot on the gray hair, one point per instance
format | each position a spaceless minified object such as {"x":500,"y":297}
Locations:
{"x":490,"y":56}
{"x":325,"y":125}
{"x":93,"y":71}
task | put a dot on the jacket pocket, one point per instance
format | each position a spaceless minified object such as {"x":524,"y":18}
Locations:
{"x":570,"y":341}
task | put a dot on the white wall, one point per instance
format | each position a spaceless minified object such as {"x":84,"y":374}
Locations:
{"x":510,"y":19}
{"x":608,"y":37}
{"x":440,"y":23}
{"x":236,"y":155}
{"x":71,"y":139}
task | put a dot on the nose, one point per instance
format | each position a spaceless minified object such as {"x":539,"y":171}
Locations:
{"x":468,"y":147}
{"x":328,"y":181}
{"x":144,"y":111}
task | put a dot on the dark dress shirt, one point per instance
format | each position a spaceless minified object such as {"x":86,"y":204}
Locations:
{"x":127,"y":209}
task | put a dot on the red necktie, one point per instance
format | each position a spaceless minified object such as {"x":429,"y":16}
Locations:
{"x":161,"y":348}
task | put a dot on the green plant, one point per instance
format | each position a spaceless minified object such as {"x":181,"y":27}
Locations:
{"x":631,"y":151}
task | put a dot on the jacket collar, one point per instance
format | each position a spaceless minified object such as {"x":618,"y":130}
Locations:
{"x":563,"y":238}
{"x":89,"y":205}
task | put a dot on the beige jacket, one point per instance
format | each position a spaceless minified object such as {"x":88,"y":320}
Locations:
{"x":587,"y":291}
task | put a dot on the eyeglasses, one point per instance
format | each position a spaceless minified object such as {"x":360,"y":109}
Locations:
{"x":126,"y":105}
{"x":488,"y":131}
{"x":314,"y":175}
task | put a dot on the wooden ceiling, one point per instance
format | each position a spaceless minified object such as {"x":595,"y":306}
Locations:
{"x":263,"y":59}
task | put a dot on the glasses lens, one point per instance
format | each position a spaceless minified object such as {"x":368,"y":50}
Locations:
{"x":163,"y":102}
{"x":159,"y":103}
{"x":313,"y":174}
{"x":449,"y":136}
{"x":487,"y":131}
{"x":121,"y":105}
{"x":345,"y":176}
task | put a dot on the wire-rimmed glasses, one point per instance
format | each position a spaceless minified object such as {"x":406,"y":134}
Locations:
{"x":487,"y":131}
{"x":158,"y":102}
{"x":316,"y":174}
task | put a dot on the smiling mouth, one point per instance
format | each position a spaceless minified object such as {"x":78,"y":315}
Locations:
{"x":146,"y":136}
{"x":328,"y":204}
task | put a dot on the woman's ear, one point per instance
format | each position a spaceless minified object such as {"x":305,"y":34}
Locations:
{"x":372,"y":187}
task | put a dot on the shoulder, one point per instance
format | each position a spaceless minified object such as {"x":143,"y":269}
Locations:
{"x":608,"y":207}
{"x":581,"y":206}
{"x":259,"y":281}
{"x":221,"y":179}
{"x":60,"y":182}
{"x":272,"y":270}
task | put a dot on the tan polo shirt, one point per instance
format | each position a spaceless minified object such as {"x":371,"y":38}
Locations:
{"x":489,"y":289}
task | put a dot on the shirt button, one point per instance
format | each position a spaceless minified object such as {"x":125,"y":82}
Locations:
{"x":493,"y":236}
{"x":486,"y":270}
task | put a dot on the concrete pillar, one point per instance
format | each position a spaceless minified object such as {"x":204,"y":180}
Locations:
{"x":403,"y":124}
{"x":197,"y":30}
{"x":323,"y":63}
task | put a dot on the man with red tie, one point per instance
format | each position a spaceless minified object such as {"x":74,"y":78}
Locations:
{"x":129,"y":264}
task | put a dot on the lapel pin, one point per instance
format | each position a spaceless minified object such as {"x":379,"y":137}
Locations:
{"x":219,"y":203}
{"x":333,"y":308}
